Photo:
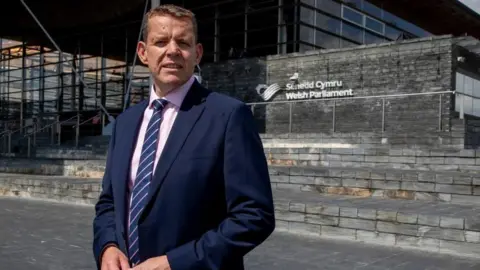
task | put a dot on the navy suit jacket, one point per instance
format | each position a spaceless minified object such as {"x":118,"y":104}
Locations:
{"x":210,"y":200}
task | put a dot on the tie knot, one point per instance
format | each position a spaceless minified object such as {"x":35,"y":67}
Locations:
{"x":159,"y":104}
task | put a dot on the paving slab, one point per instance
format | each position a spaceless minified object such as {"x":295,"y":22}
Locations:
{"x":39,"y":235}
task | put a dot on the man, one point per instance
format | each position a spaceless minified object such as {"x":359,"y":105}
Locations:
{"x":186,"y":183}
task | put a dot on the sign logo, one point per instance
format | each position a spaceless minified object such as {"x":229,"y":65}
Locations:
{"x":304,"y":90}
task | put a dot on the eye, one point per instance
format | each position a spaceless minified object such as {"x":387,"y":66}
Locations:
{"x":160,"y":42}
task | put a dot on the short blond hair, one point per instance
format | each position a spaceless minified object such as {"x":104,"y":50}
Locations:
{"x":173,"y":11}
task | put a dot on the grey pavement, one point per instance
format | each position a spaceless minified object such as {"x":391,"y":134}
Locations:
{"x":38,"y":235}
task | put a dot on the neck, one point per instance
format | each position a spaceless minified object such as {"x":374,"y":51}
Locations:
{"x":164,"y":89}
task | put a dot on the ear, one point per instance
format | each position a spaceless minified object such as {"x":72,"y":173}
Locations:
{"x":142,"y":52}
{"x":199,"y":50}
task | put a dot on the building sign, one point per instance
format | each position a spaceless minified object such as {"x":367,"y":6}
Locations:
{"x":304,"y":90}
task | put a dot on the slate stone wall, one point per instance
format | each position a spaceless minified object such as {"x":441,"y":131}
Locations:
{"x":415,"y":66}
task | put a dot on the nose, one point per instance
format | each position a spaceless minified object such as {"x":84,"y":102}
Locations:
{"x":173,"y":48}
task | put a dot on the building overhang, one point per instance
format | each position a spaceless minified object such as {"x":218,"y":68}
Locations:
{"x":69,"y":18}
{"x":66,"y":21}
{"x":438,"y":17}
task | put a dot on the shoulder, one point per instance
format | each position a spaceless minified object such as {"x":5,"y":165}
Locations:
{"x":219,"y":103}
{"x":131,"y":112}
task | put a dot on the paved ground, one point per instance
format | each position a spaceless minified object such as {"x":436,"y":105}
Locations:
{"x":37,"y":235}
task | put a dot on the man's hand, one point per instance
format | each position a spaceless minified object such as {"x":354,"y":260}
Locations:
{"x":156,"y":263}
{"x":114,"y":259}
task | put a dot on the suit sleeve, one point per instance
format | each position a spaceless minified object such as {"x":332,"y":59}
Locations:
{"x":104,"y":221}
{"x":249,"y":201}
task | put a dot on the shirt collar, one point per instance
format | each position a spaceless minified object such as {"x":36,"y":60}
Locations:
{"x":175,"y":96}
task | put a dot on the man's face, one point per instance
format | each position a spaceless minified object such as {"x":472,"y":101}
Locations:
{"x":170,"y":51}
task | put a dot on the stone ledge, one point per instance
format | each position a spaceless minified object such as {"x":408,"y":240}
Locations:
{"x":55,"y":188}
{"x":53,"y":166}
{"x":443,"y":228}
{"x":451,"y":187}
{"x":406,"y":159}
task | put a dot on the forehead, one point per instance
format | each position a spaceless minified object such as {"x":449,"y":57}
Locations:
{"x":163,"y":24}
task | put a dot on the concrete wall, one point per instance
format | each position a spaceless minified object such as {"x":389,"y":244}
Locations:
{"x":415,"y":66}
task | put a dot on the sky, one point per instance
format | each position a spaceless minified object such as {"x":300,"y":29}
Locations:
{"x":473,"y":4}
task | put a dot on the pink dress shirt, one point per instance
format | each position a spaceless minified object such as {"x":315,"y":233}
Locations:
{"x":169,"y":114}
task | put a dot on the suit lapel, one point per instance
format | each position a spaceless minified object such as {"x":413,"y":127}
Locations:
{"x":188,"y":114}
{"x":126,"y":141}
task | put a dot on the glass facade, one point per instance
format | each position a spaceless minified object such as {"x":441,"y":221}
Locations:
{"x":37,"y":80}
{"x":330,"y":24}
{"x":468,"y":90}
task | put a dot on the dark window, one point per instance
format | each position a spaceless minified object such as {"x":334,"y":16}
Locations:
{"x":352,"y":32}
{"x":307,"y":15}
{"x":307,"y":34}
{"x":391,"y":32}
{"x":305,"y":47}
{"x":374,"y":25}
{"x":327,"y":41}
{"x":328,"y":23}
{"x":262,"y":30}
{"x":309,"y":2}
{"x":329,"y":6}
{"x":354,"y":3}
{"x":352,"y":15}
{"x":348,"y":44}
{"x":372,"y":38}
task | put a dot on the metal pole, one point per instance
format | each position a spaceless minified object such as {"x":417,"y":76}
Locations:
{"x":34,"y":134}
{"x":280,"y":27}
{"x":440,"y":113}
{"x":130,"y":75}
{"x":460,"y":97}
{"x":24,"y":86}
{"x":77,"y":131}
{"x":59,"y":130}
{"x":9,"y":142}
{"x":333,"y":120}
{"x":60,"y":51}
{"x":216,"y":45}
{"x":52,"y":135}
{"x":28,"y":146}
{"x":383,"y":115}
{"x":290,"y":108}
{"x":245,"y":26}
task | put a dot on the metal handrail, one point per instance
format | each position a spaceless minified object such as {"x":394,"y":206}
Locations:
{"x":17,"y":130}
{"x":350,"y":98}
{"x":334,"y":100}
{"x":9,"y":134}
{"x":54,"y":123}
{"x":89,"y":119}
{"x":34,"y":133}
{"x":467,"y":95}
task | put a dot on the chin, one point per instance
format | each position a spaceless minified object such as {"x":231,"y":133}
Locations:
{"x":170,"y":79}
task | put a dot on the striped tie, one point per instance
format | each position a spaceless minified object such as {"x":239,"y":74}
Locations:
{"x":142,"y":180}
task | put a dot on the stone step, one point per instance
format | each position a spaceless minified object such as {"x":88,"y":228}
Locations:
{"x":412,"y":140}
{"x":466,"y":160}
{"x":53,"y":166}
{"x":449,"y":187}
{"x":411,"y":143}
{"x":433,"y":227}
{"x":443,"y":134}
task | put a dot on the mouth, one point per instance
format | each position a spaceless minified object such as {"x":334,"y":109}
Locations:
{"x":172,"y":66}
